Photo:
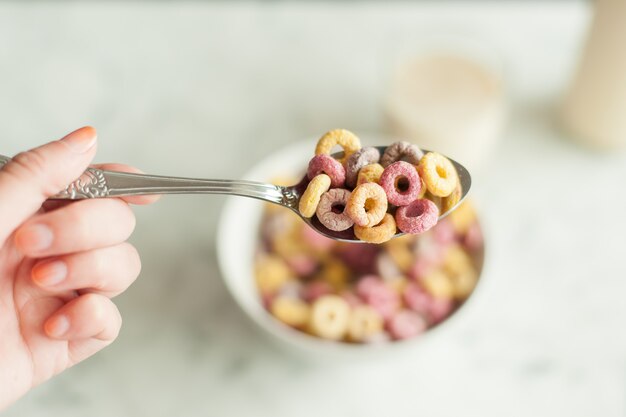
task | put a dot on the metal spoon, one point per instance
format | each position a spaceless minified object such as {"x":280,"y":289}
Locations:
{"x":97,"y":183}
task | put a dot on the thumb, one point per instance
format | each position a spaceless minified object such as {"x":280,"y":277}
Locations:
{"x":32,"y":177}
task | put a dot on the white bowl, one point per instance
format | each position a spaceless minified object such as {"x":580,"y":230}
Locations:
{"x":237,"y":240}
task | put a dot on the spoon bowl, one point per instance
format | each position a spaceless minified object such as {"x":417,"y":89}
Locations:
{"x":295,"y":192}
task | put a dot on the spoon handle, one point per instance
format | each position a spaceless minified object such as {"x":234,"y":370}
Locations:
{"x":98,"y":183}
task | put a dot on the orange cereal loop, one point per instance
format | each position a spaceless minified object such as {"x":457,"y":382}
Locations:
{"x":379,"y":233}
{"x":344,"y":138}
{"x":438,"y":173}
{"x":370,"y":173}
{"x":311,"y":196}
{"x":367,"y":204}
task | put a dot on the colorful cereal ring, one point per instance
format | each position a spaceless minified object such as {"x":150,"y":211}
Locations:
{"x":367,"y":204}
{"x":401,"y":183}
{"x":417,"y":217}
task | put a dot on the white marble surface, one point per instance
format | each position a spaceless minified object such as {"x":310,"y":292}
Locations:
{"x":206,"y":89}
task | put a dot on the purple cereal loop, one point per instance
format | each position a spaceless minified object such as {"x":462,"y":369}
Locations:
{"x":389,"y":182}
{"x":356,"y":161}
{"x":325,"y":214}
{"x":325,"y":164}
{"x":417,"y":217}
{"x":401,"y":151}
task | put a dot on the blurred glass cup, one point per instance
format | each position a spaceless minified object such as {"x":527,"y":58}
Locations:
{"x":447,"y":94}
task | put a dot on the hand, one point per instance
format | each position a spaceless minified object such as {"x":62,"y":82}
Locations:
{"x":60,"y":264}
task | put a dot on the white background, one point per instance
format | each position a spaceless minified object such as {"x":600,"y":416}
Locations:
{"x":207,"y":89}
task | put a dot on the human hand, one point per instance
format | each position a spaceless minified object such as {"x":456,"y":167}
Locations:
{"x":60,"y":264}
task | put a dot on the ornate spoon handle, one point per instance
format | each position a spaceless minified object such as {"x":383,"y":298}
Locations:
{"x":98,"y":183}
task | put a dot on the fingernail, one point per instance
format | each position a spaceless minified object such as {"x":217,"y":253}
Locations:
{"x":34,"y":238}
{"x":81,"y":140}
{"x":57,"y":326}
{"x":49,"y":273}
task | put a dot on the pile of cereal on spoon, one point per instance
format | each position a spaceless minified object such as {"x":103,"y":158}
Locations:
{"x":403,"y":189}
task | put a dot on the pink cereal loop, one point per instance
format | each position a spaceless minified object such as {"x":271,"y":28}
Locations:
{"x":325,"y":214}
{"x":417,"y":217}
{"x":380,"y":233}
{"x":399,"y":151}
{"x":342,"y":137}
{"x":390,"y":181}
{"x":311,"y":196}
{"x":326,"y":164}
{"x":359,"y":159}
{"x":372,"y":195}
{"x":406,"y":324}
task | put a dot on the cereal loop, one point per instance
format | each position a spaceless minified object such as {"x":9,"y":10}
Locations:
{"x":370,"y":173}
{"x":401,"y":183}
{"x":364,"y":322}
{"x":344,"y":138}
{"x":291,"y":311}
{"x":359,"y":159}
{"x":367,"y":204}
{"x":439,"y":174}
{"x":417,"y":217}
{"x":447,"y":203}
{"x":379,"y":233}
{"x":330,"y":315}
{"x":401,"y":151}
{"x":325,"y":164}
{"x":311,"y":196}
{"x":334,"y":199}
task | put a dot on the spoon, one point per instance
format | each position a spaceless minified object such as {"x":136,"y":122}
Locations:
{"x":97,"y":183}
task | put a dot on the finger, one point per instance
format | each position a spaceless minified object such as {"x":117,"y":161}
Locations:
{"x":108,"y":271}
{"x":33,"y":176}
{"x":139,"y":200}
{"x":85,"y":317}
{"x":82,"y":226}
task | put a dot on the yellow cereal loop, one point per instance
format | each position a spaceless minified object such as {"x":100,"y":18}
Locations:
{"x":463,"y":217}
{"x":330,"y":315}
{"x":289,"y":244}
{"x":364,"y":322}
{"x":456,"y":260}
{"x":401,"y":254}
{"x":291,"y":311}
{"x":311,"y":196}
{"x":367,"y":204}
{"x":398,"y":284}
{"x":344,"y":138}
{"x":464,"y":283}
{"x":460,"y":268}
{"x":336,"y":273}
{"x":438,"y":284}
{"x":271,"y":273}
{"x":370,"y":173}
{"x":379,"y":233}
{"x":450,"y":201}
{"x":438,"y":173}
